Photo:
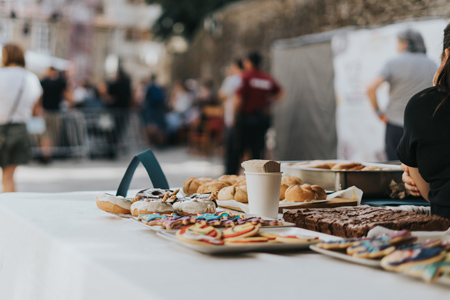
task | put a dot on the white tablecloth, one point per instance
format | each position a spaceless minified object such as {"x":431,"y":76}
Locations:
{"x":60,"y":246}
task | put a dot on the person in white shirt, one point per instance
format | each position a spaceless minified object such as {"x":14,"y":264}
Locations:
{"x":20,"y":91}
{"x":227,"y":94}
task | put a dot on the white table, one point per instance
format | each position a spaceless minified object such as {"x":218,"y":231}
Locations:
{"x":61,"y":246}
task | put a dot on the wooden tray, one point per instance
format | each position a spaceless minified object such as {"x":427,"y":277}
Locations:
{"x":335,"y":202}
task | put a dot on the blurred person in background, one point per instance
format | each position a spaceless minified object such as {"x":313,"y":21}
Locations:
{"x":118,"y":97}
{"x":180,"y":103}
{"x":227,"y":94}
{"x":253,"y":109}
{"x":86,"y":96}
{"x":55,"y":90}
{"x":407,"y":73}
{"x":154,"y":111}
{"x":20,"y":92}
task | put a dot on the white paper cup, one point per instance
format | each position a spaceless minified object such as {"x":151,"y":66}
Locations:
{"x":263,"y":191}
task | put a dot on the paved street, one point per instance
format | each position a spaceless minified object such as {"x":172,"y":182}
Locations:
{"x":102,"y":175}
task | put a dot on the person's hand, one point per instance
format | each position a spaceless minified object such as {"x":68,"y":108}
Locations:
{"x":410,"y":185}
{"x":382,"y":118}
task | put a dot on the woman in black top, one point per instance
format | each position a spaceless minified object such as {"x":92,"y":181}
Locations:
{"x":425,"y":146}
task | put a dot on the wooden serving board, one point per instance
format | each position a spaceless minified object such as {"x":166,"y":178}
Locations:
{"x":335,"y":202}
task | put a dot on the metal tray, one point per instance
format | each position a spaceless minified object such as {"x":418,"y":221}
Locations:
{"x":374,"y":184}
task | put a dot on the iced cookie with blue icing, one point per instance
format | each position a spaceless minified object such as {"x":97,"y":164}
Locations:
{"x":400,"y":260}
{"x":430,"y":272}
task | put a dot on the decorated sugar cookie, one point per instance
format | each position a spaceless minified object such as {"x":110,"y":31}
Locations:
{"x":271,"y":236}
{"x":246,"y":240}
{"x":339,"y":244}
{"x":296,"y":239}
{"x":399,"y":260}
{"x":430,"y":272}
{"x":372,"y":248}
{"x":240,"y":231}
{"x":200,"y":235}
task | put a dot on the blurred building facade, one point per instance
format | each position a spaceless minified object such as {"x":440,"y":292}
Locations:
{"x":256,"y":24}
{"x":95,"y":35}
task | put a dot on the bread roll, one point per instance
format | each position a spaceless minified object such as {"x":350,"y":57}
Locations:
{"x":227,"y":193}
{"x":233,"y":193}
{"x":291,"y":180}
{"x":241,"y":194}
{"x":319,"y":192}
{"x":210,"y":187}
{"x":283,"y":189}
{"x":229,"y":178}
{"x":305,"y":193}
{"x":241,"y":182}
{"x":191,"y":185}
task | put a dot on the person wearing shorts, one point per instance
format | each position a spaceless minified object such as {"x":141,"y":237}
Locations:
{"x":21,"y":91}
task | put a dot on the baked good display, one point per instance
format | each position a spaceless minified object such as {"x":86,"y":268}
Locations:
{"x":305,"y":193}
{"x":357,"y":221}
{"x":113,"y":204}
{"x":337,"y":166}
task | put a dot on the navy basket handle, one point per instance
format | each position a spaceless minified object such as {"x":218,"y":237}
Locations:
{"x":152,"y":167}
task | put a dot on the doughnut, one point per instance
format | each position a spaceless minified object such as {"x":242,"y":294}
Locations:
{"x":151,"y":193}
{"x":194,"y":207}
{"x":113,"y":204}
{"x":149,"y":206}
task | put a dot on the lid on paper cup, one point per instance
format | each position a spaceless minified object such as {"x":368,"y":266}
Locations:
{"x":261,"y":166}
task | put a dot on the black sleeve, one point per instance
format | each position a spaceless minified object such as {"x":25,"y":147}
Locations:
{"x":407,"y":148}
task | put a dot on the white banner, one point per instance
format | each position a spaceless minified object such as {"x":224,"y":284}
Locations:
{"x":359,"y":57}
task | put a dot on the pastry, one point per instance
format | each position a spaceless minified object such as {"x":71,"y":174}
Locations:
{"x":240,"y":182}
{"x":305,"y":193}
{"x":430,"y":272}
{"x":241,"y":231}
{"x":213,"y":186}
{"x":113,"y":204}
{"x":400,"y":260}
{"x":198,"y":234}
{"x":191,"y":185}
{"x":233,"y":193}
{"x":291,"y":180}
{"x":295,"y":239}
{"x":150,"y":206}
{"x":246,"y":240}
{"x":351,"y":222}
{"x":151,"y":193}
{"x":194,"y":206}
{"x":229,"y":178}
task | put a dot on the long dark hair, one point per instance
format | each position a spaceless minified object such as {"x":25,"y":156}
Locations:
{"x":443,"y":79}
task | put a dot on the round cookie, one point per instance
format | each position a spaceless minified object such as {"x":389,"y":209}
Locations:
{"x":194,"y":207}
{"x":241,"y":231}
{"x":199,"y":234}
{"x":149,"y":206}
{"x":294,"y":239}
{"x":399,"y":260}
{"x":246,"y":240}
{"x":113,"y":204}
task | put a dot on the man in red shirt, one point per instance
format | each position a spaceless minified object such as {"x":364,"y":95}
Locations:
{"x":253,"y":115}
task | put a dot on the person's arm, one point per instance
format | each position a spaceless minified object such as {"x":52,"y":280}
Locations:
{"x":372,"y":94}
{"x":414,"y":182}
